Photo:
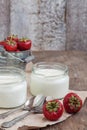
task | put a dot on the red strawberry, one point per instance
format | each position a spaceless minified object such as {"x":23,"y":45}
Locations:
{"x":53,"y":110}
{"x":13,"y":37}
{"x":11,"y":45}
{"x":24,"y":44}
{"x":72,"y":103}
{"x":2,"y":43}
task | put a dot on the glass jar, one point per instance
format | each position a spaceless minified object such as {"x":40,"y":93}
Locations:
{"x":13,"y":87}
{"x":49,"y":79}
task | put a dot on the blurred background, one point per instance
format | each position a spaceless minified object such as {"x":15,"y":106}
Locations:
{"x":50,"y":24}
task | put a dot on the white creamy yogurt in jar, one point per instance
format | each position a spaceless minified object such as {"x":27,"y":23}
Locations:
{"x":49,"y":79}
{"x":13,"y":87}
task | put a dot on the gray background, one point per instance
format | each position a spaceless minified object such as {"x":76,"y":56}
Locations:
{"x":50,"y":24}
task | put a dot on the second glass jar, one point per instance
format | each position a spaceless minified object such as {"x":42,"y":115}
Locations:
{"x":49,"y":79}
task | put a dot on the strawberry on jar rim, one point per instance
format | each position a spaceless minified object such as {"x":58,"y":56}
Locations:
{"x":24,"y":44}
{"x":53,"y":110}
{"x":72,"y":103}
{"x":11,"y":45}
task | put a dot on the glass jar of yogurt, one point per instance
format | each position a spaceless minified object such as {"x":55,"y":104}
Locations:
{"x":49,"y":79}
{"x":13,"y":87}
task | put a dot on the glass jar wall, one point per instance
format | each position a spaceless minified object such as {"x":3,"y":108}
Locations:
{"x":13,"y":87}
{"x":49,"y":79}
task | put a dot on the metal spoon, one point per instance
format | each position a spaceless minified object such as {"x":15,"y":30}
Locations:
{"x":28,"y":104}
{"x":36,"y":108}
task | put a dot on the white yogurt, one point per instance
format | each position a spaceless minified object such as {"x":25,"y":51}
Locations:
{"x":50,"y":82}
{"x":13,"y":88}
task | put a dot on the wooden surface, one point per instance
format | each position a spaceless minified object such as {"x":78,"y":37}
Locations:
{"x":77,"y":63}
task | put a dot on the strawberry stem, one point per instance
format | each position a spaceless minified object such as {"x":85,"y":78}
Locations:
{"x":11,"y":42}
{"x":74,"y":102}
{"x":24,"y":39}
{"x":52,"y":106}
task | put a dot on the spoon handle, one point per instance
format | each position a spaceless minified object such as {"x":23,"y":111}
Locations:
{"x":15,"y":120}
{"x":6,"y":114}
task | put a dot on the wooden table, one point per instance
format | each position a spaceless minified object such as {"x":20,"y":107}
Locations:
{"x":77,"y":63}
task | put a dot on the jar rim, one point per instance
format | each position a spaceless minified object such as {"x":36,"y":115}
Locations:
{"x":11,"y":72}
{"x":51,"y":65}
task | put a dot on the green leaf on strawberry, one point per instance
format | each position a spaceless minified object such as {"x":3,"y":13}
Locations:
{"x":13,"y":37}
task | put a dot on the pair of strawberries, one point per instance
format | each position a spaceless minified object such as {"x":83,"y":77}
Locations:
{"x":54,"y":109}
{"x":14,"y":44}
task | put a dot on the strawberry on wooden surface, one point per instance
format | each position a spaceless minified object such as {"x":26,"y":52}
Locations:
{"x":72,"y":103}
{"x":53,"y":110}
